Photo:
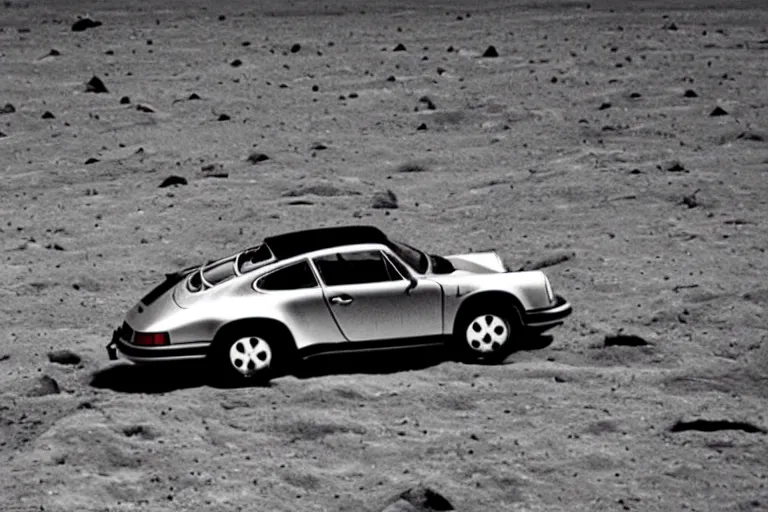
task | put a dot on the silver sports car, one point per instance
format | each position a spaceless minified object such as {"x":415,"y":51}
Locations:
{"x":337,"y":289}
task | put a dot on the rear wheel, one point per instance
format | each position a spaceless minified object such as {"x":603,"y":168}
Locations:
{"x":487,"y":334}
{"x":240,"y":357}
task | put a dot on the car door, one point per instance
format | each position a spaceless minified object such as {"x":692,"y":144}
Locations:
{"x":297,"y":299}
{"x":371,"y":300}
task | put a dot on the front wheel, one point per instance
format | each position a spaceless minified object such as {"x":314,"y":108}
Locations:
{"x":487,"y":334}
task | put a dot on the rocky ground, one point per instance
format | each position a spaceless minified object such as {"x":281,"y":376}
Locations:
{"x":625,"y":147}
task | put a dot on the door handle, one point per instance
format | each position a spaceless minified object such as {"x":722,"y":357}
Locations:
{"x":341,"y":300}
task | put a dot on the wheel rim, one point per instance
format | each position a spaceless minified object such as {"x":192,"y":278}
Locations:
{"x":250,"y":355}
{"x":487,"y":333}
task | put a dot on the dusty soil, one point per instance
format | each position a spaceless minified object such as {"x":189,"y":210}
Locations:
{"x":579,"y":139}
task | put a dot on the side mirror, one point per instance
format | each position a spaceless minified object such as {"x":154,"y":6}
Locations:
{"x":411,"y":285}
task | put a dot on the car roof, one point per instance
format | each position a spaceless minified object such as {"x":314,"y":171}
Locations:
{"x":293,"y":244}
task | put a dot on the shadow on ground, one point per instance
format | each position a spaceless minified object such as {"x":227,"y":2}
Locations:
{"x":155,"y":379}
{"x":150,"y":379}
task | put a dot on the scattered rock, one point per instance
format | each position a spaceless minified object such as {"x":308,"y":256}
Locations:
{"x":236,"y":63}
{"x":411,"y":167}
{"x":353,"y":95}
{"x":635,"y":95}
{"x":675,"y":166}
{"x":125,"y":100}
{"x":669,"y":26}
{"x":48,"y":115}
{"x":718,"y":111}
{"x":66,"y":357}
{"x":140,"y":431}
{"x":8,"y":108}
{"x":295,"y":48}
{"x":441,"y":71}
{"x":399,"y":48}
{"x":690,"y":93}
{"x":173,"y":180}
{"x":450,"y":49}
{"x":690,"y":200}
{"x":320,"y":189}
{"x":143,"y":107}
{"x":53,"y":53}
{"x":702,"y":425}
{"x":5,"y":357}
{"x":256,"y":158}
{"x":384,"y":200}
{"x":751,"y":136}
{"x":604,"y":106}
{"x":490,"y":52}
{"x":391,"y":78}
{"x":301,"y":202}
{"x":419,"y":499}
{"x":549,"y":261}
{"x":92,"y":160}
{"x":319,"y":146}
{"x":193,"y":96}
{"x":96,"y":85}
{"x":88,"y":284}
{"x":55,"y":247}
{"x":223,"y":117}
{"x":624,"y":340}
{"x":422,"y":127}
{"x":84,"y":24}
{"x":45,"y":386}
{"x":2,"y":135}
{"x":428,"y":102}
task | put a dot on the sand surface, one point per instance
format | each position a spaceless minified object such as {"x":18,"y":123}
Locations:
{"x":579,"y":139}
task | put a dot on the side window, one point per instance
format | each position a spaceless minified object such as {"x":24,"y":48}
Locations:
{"x":293,"y":277}
{"x":356,"y":268}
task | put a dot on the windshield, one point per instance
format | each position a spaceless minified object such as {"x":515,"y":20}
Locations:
{"x":416,"y":259}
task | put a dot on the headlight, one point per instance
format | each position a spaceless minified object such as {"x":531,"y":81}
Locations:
{"x":550,"y":293}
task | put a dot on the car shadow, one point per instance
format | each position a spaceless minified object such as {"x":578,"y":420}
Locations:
{"x":149,"y":379}
{"x":371,"y":363}
{"x":165,"y":378}
{"x":395,"y":360}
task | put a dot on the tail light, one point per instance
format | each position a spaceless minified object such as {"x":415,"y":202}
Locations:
{"x":151,"y":339}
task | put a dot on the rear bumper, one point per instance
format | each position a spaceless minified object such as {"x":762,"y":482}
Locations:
{"x":182,"y":352}
{"x":552,"y":316}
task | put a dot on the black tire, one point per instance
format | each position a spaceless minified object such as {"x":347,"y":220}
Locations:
{"x":240,"y":357}
{"x":487,"y":333}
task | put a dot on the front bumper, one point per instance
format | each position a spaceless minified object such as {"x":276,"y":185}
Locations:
{"x":167,"y":353}
{"x":552,"y":316}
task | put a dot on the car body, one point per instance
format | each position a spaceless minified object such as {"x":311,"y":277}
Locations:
{"x":335,"y":289}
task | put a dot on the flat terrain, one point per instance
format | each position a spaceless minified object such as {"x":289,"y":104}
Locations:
{"x":591,"y":135}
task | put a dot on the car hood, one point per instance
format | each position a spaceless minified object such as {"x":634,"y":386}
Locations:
{"x":478,"y":262}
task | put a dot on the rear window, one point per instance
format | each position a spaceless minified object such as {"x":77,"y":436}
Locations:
{"x":253,"y":258}
{"x":220,"y":271}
